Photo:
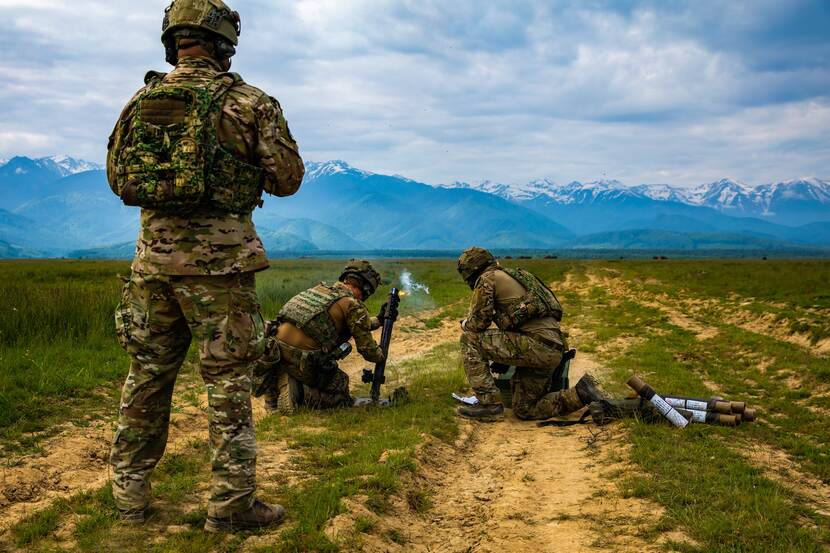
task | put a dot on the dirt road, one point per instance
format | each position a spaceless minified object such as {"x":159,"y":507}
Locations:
{"x":513,"y":487}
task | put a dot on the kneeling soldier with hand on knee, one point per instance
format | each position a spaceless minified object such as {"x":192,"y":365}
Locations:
{"x":528,"y":335}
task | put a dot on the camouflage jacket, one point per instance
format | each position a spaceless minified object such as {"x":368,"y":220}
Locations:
{"x":493,"y":290}
{"x":251,"y":127}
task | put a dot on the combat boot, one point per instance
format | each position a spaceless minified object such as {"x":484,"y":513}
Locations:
{"x":288,"y":396}
{"x":260,"y":515}
{"x":588,"y":390}
{"x":133,"y":516}
{"x":291,"y":396}
{"x":569,"y":401}
{"x":484,"y":413}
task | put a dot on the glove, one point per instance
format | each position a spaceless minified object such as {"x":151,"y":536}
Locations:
{"x":382,"y":313}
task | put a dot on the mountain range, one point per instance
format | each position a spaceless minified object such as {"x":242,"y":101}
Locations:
{"x":60,"y":206}
{"x":789,"y":202}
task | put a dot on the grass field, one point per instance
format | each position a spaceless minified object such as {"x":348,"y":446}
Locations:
{"x":751,"y":330}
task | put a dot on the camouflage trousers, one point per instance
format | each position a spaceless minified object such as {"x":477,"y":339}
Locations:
{"x":321,"y":390}
{"x":535,"y":360}
{"x":156,"y":320}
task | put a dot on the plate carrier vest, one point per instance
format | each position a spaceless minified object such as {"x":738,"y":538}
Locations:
{"x":539,"y":301}
{"x":309,"y":311}
{"x":168,"y":157}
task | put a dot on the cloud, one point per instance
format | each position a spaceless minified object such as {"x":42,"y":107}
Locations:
{"x":505,"y":90}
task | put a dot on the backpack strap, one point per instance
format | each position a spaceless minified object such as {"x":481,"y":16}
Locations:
{"x":154,"y":77}
{"x":221,"y":84}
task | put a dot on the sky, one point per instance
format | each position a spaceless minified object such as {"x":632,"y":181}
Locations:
{"x":678,"y":92}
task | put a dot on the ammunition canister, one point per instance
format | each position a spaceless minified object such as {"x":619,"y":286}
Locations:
{"x":710,"y":417}
{"x":700,"y":404}
{"x":647,"y":392}
{"x":749,"y":414}
{"x":738,"y":406}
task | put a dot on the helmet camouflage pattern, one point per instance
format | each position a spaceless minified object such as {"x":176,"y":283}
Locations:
{"x":473,"y":262}
{"x":367,"y":275}
{"x":208,"y":15}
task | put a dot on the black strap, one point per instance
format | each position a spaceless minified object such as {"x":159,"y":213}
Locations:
{"x":583,"y":419}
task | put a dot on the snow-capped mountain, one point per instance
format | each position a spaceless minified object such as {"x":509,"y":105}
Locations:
{"x":71,"y":166}
{"x":60,"y":165}
{"x":789,"y":200}
{"x":57,"y":205}
{"x":315,"y":170}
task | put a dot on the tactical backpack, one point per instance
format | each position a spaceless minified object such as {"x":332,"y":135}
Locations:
{"x":539,"y":301}
{"x":167,"y":157}
{"x":309,"y":311}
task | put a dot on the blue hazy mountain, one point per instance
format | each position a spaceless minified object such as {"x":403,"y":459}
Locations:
{"x":726,"y":204}
{"x":60,"y":206}
{"x":390,"y":212}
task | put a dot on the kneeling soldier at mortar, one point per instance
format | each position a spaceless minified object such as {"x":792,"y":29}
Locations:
{"x":311,"y":334}
{"x":528,"y":336}
{"x":195,"y":149}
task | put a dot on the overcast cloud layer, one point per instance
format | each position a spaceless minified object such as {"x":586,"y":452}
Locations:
{"x":677,"y":92}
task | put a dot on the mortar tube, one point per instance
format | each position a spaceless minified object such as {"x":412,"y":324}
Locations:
{"x":647,"y":392}
{"x":700,"y":404}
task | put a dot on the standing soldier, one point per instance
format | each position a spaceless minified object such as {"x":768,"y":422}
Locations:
{"x":527,"y":315}
{"x":194,"y":149}
{"x":310,"y":336}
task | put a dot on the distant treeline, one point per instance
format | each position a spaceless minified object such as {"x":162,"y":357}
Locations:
{"x":796,"y":253}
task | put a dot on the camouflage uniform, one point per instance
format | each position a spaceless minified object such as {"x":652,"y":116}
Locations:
{"x":192,"y":278}
{"x":297,"y":348}
{"x":535,"y":347}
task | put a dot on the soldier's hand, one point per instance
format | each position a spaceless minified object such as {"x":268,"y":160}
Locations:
{"x":382,"y":313}
{"x":464,"y":325}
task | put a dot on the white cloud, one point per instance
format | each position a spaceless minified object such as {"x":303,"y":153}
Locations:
{"x":502,"y":90}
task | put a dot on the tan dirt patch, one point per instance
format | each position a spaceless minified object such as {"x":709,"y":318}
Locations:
{"x":512,"y":487}
{"x":780,"y":467}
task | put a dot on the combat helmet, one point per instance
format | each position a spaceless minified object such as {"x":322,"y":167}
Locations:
{"x":368,"y":277}
{"x":473,"y":262}
{"x":199,"y":18}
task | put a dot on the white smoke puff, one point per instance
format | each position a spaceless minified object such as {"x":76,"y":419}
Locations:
{"x":410,"y":285}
